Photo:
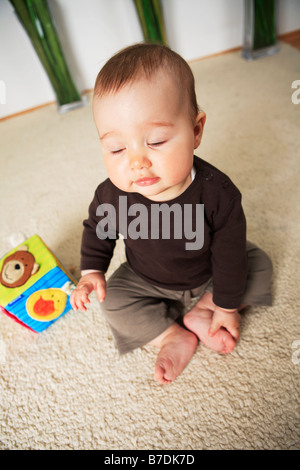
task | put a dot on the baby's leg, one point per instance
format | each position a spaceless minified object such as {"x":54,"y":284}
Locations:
{"x":257,"y":292}
{"x":177,"y":347}
{"x":141,"y":314}
{"x":198,"y":320}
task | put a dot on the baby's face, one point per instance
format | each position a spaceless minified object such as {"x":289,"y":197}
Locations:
{"x":148,"y":138}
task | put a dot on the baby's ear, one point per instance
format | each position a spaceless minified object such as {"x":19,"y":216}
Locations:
{"x":35,"y":268}
{"x":198,"y":128}
{"x":23,"y":248}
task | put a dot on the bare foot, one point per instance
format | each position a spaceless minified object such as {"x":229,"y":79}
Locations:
{"x":198,"y":320}
{"x":177,"y":348}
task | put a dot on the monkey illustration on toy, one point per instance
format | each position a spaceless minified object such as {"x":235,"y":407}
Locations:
{"x":18,"y":268}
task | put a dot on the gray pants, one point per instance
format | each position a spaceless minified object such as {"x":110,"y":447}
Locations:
{"x":138,"y":312}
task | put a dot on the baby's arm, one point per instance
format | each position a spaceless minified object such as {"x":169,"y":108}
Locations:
{"x":90,"y":280}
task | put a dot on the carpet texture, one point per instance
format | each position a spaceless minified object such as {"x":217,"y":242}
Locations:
{"x":67,"y":388}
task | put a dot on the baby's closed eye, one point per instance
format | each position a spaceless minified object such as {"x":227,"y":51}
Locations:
{"x":117,"y":151}
{"x":157,"y":144}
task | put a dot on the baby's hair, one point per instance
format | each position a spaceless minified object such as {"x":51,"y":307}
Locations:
{"x":144,"y":60}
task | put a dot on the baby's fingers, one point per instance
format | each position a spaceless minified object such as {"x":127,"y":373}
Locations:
{"x":214,"y":327}
{"x":78,"y":299}
{"x":101,"y":291}
{"x":235,"y":333}
{"x":84,"y":299}
{"x":73,"y":300}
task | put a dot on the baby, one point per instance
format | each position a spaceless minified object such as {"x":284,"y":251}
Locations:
{"x":159,"y":196}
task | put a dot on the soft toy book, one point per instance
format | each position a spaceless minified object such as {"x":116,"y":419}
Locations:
{"x":34,"y":286}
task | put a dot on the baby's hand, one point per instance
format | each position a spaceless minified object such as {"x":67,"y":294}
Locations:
{"x":229,"y":319}
{"x":88,"y":283}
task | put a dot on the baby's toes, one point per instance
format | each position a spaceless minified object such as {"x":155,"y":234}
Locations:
{"x":228,"y":343}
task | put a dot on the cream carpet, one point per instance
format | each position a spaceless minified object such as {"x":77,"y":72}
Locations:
{"x":67,"y":388}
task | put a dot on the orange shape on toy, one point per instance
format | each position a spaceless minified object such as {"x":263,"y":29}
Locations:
{"x":46,"y":304}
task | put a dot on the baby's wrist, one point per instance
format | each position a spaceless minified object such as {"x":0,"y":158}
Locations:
{"x":88,"y":278}
{"x":227,"y":310}
{"x":90,"y":271}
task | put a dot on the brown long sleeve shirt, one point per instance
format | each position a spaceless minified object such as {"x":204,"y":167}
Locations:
{"x":169,"y":251}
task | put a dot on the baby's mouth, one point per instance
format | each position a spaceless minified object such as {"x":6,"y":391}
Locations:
{"x":147,"y":181}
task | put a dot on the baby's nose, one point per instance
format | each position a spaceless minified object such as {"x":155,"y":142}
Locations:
{"x":138,"y":161}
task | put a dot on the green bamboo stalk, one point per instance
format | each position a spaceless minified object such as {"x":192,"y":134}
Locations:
{"x":40,"y":30}
{"x":55,"y":50}
{"x":151,"y":20}
{"x":25,"y":19}
{"x":35,"y":17}
{"x":264,"y":24}
{"x":143,"y":23}
{"x":160,"y":20}
{"x":147,"y":12}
